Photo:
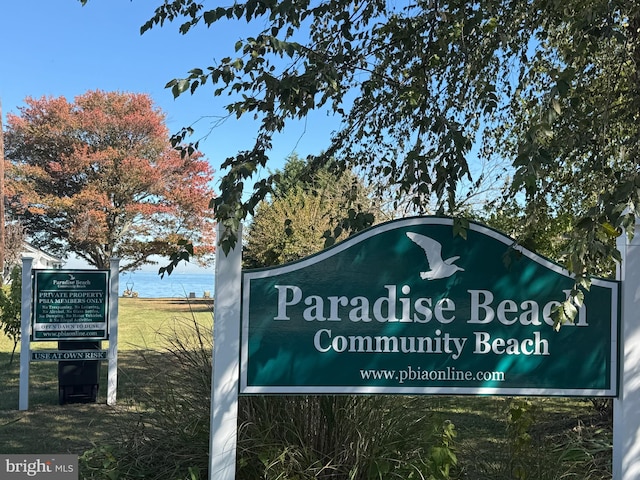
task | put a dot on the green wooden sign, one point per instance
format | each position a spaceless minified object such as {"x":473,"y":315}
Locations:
{"x":407,"y":307}
{"x":70,"y":305}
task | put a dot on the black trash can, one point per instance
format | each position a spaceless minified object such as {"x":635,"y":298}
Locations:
{"x":78,"y":380}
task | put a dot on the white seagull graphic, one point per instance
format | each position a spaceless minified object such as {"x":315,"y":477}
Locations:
{"x":439,"y":268}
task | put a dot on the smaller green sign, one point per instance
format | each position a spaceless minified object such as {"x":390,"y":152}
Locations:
{"x":70,"y":305}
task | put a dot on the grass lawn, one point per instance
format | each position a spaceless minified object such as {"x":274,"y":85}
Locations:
{"x":497,"y":437}
{"x":47,"y":427}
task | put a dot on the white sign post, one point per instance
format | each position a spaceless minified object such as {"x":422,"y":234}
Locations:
{"x":112,"y":377}
{"x":25,"y":344}
{"x":226,"y":362}
{"x":626,"y":408}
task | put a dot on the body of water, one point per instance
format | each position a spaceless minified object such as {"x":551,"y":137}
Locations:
{"x":176,"y":285}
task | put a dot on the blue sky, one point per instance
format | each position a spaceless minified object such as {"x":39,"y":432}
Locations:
{"x":61,"y":48}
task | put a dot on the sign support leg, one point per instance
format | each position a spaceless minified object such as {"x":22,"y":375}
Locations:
{"x":112,"y":376}
{"x":626,"y":408}
{"x":226,"y":362}
{"x":25,"y":333}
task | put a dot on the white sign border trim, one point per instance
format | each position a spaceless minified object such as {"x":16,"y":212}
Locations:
{"x":247,"y":277}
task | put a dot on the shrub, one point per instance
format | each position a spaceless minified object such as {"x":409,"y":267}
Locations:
{"x":10,"y":309}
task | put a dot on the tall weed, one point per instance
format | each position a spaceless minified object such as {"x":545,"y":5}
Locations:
{"x":529,"y":450}
{"x":343,"y":437}
{"x":280,"y":438}
{"x":170,"y":440}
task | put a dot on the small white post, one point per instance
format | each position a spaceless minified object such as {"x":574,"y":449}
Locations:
{"x":25,"y":333}
{"x":226,"y":362}
{"x":114,"y":287}
{"x":626,"y":408}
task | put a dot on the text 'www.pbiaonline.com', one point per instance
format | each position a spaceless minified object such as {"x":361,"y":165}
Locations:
{"x":449,"y":374}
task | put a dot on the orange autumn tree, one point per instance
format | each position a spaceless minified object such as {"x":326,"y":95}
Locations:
{"x":99,"y":178}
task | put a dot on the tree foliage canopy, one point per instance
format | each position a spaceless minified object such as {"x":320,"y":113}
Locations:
{"x":99,"y":177}
{"x":305,"y":212}
{"x":551,"y":86}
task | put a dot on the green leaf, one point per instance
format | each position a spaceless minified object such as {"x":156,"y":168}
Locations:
{"x":180,"y":87}
{"x":578,"y":298}
{"x":460,"y":227}
{"x":610,"y":230}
